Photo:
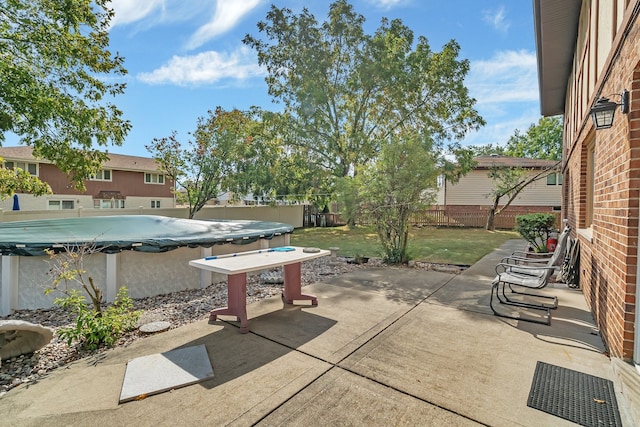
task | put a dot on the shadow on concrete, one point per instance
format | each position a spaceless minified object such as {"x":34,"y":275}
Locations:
{"x":234,"y":355}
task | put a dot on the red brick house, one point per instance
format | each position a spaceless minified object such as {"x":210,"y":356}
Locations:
{"x":124,"y":182}
{"x":587,"y":50}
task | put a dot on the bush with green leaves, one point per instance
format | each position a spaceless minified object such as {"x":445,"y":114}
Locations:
{"x":536,"y":229}
{"x":93,"y":329}
{"x":94,"y":325}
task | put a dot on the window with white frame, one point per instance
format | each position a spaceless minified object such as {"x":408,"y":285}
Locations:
{"x":32,"y":168}
{"x":108,"y":203}
{"x":60,"y":204}
{"x":102,"y":175}
{"x":554,"y":179}
{"x":153,"y":178}
{"x":155,"y":204}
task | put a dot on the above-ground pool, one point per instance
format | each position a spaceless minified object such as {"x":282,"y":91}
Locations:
{"x":147,"y":254}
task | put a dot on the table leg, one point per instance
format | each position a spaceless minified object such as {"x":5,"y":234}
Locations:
{"x":236,"y":301}
{"x":293,"y":286}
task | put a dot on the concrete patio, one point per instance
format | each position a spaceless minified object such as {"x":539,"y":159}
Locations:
{"x":384,"y":346}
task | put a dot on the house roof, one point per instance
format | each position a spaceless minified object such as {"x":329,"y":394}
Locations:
{"x":116,"y":161}
{"x":556,"y":32}
{"x":486,"y":162}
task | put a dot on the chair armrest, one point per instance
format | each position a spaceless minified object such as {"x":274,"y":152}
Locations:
{"x":525,"y":261}
{"x":503,"y":267}
{"x":523,"y":254}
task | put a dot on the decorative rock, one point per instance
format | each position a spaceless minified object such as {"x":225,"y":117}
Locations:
{"x":153,"y":327}
{"x":272,"y":277}
{"x":18,"y":337}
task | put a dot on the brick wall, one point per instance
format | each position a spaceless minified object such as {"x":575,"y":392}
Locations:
{"x":609,"y":250}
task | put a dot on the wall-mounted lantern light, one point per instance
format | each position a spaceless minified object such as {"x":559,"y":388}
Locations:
{"x":602,"y":113}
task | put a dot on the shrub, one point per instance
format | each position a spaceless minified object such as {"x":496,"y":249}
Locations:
{"x":94,"y":326}
{"x":93,"y":329}
{"x":536,"y":229}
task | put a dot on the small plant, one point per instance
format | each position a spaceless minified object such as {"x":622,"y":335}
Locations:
{"x":93,"y":329}
{"x":536,"y":229}
{"x":94,"y":326}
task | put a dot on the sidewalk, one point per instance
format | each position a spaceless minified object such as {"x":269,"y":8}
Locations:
{"x":384,"y":346}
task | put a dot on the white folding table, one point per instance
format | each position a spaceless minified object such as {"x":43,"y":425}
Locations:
{"x":236,"y":267}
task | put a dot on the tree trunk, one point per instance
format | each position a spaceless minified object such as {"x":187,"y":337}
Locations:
{"x":490,"y":219}
{"x":492,"y":214}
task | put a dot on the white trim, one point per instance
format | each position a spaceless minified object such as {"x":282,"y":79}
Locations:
{"x":112,"y":277}
{"x":206,"y":277}
{"x":10,"y":270}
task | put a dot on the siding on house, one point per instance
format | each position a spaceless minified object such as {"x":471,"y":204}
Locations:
{"x":476,"y":186}
{"x":474,"y":189}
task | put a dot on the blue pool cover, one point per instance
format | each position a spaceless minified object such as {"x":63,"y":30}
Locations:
{"x":144,"y":233}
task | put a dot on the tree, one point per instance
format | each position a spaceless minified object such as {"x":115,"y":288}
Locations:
{"x":541,"y":141}
{"x":269,"y":167}
{"x":55,"y":74}
{"x":219,"y":157}
{"x":509,"y":182}
{"x":347,"y":92}
{"x":401,"y":182}
{"x":487,"y":150}
{"x":20,"y":181}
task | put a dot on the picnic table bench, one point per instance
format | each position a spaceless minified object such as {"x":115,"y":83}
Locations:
{"x":236,"y":267}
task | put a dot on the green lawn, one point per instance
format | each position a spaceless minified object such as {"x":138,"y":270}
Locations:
{"x":462,"y":246}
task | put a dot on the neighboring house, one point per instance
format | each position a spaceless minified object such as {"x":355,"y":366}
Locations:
{"x":123,"y":182}
{"x":472,"y":191}
{"x":587,"y":50}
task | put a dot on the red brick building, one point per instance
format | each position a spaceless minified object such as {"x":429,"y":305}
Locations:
{"x":123,"y":182}
{"x":588,"y":50}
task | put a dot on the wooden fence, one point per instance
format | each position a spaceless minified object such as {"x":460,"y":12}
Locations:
{"x":472,"y":219}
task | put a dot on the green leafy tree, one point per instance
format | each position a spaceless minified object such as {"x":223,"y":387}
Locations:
{"x":221,"y":156}
{"x":393,"y":187}
{"x":508,"y":182}
{"x":346,"y":92}
{"x":56,"y":73}
{"x":402,"y":182}
{"x":487,"y":150}
{"x":19,"y":181}
{"x":541,"y":141}
{"x":284,"y":170}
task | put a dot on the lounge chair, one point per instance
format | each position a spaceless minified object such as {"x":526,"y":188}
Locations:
{"x":528,"y":277}
{"x":530,"y":272}
{"x":550,"y":259}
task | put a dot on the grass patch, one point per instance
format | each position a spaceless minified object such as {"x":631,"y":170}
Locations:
{"x":462,"y":246}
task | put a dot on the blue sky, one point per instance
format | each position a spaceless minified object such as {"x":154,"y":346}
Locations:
{"x":186,"y":57}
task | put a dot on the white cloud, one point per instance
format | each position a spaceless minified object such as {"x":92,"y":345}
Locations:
{"x":506,"y":89}
{"x":226,"y":15}
{"x":499,"y":130}
{"x":386,"y":4}
{"x":205,"y":68}
{"x":497,"y":19}
{"x":128,"y":11}
{"x":509,"y":76}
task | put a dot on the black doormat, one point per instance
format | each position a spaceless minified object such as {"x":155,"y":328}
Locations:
{"x":574,"y":396}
